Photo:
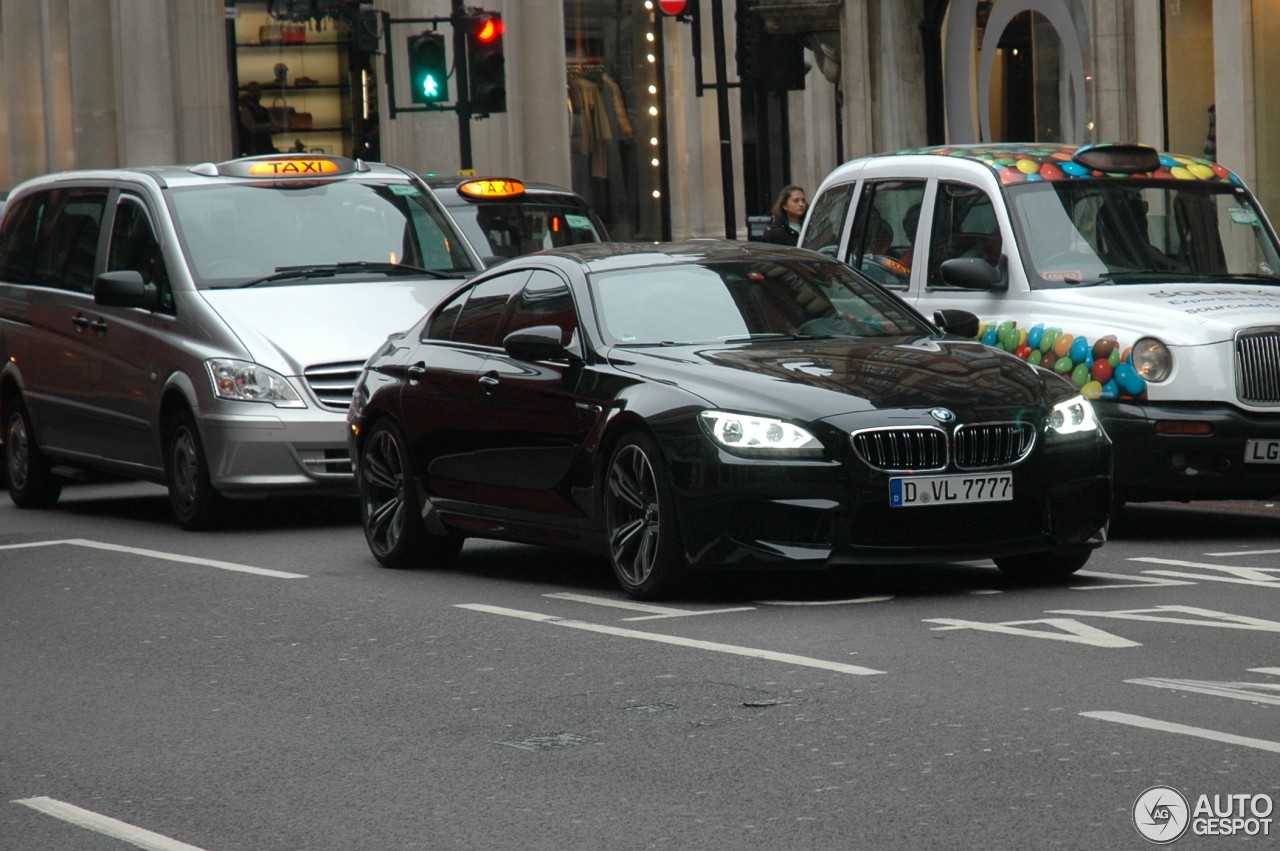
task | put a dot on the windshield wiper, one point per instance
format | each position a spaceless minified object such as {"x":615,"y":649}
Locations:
{"x":774,"y":335}
{"x":326,"y":270}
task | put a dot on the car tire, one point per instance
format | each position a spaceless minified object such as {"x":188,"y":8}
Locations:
{"x":643,"y":534}
{"x":32,"y":483}
{"x":192,"y":498}
{"x":1043,"y":567}
{"x":389,"y":509}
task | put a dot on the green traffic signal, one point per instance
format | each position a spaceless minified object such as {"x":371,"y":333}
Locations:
{"x":428,"y":68}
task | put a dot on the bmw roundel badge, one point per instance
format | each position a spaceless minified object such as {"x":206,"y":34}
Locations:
{"x":942,"y":415}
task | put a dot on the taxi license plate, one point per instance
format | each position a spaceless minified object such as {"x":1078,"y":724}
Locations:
{"x":1262,"y":452}
{"x":916,"y":491}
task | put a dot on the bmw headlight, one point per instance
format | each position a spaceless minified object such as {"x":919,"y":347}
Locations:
{"x":746,"y":433}
{"x":1152,"y":359}
{"x":243,"y":381}
{"x":1072,"y":417}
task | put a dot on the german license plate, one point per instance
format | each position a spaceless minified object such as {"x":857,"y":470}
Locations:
{"x":1262,"y":452}
{"x":916,"y":491}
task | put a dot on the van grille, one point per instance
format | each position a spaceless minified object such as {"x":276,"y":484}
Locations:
{"x":333,"y":383}
{"x":1258,"y":366}
{"x":973,"y":447}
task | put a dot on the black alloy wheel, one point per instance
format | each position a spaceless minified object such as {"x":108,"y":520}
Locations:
{"x":640,"y":521}
{"x":389,"y":510}
{"x":32,"y":483}
{"x":192,"y":498}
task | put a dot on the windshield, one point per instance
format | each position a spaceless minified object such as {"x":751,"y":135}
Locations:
{"x":235,"y":233}
{"x":509,"y":230}
{"x":1126,"y":230}
{"x":695,"y":303}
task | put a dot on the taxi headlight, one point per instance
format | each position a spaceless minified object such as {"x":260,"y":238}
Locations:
{"x":1073,"y":417}
{"x":244,"y":381}
{"x":1152,"y":359}
{"x":750,"y":434}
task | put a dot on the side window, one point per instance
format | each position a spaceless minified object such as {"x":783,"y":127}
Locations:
{"x":18,"y":233}
{"x":134,"y":247}
{"x":480,"y":317}
{"x":545,"y":300}
{"x":882,"y":244}
{"x":63,"y":226}
{"x":826,"y":219}
{"x":964,"y":225}
{"x":441,"y":325}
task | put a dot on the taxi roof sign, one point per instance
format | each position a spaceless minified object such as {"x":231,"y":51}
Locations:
{"x":277,"y":166}
{"x":483,"y":188}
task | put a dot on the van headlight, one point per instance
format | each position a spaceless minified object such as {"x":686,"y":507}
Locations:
{"x":1152,"y":359}
{"x":750,"y":434}
{"x":243,"y":381}
{"x":1072,"y":417}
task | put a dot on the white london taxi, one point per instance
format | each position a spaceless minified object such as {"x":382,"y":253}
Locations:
{"x":1151,"y":281}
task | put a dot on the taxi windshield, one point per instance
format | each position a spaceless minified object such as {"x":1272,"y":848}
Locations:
{"x":241,"y":232}
{"x":745,"y":302}
{"x":1128,"y":230}
{"x":500,"y":229}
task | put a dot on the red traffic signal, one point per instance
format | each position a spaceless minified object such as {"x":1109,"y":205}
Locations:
{"x":488,"y":29}
{"x":672,"y":7}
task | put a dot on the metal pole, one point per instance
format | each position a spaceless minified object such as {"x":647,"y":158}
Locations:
{"x":722,"y":108}
{"x":460,"y":24}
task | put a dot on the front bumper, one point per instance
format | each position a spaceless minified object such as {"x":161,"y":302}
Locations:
{"x":1152,"y":466}
{"x":284,"y":451}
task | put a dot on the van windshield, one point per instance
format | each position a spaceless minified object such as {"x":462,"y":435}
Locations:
{"x":1128,"y":230}
{"x":234,"y":233}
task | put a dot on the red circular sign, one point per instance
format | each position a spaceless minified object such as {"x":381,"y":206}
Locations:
{"x":672,"y":7}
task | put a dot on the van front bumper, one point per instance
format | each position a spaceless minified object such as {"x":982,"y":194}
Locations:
{"x":286,"y":451}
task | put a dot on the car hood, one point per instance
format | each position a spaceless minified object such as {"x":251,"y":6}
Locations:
{"x":288,"y":328}
{"x":823,"y":378}
{"x":1180,"y":314}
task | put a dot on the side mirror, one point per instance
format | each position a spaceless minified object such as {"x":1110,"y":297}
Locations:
{"x":974,"y":273}
{"x":124,"y":289}
{"x":541,"y":342}
{"x":959,"y":322}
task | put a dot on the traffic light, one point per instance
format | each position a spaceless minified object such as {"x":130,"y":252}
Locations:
{"x":428,"y":69}
{"x":773,"y":62}
{"x":486,"y":66}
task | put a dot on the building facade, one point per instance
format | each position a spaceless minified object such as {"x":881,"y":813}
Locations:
{"x":672,"y":125}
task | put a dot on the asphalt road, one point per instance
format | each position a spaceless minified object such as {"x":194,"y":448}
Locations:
{"x":267,"y":686}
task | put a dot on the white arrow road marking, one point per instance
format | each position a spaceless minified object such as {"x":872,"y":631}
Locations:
{"x":1183,"y":729}
{"x":733,"y":649}
{"x":204,"y":562}
{"x":105,"y":825}
{"x":656,"y":611}
{"x":1275,"y":671}
{"x":1066,"y":630}
{"x":1245,"y":553}
{"x":1199,"y":617}
{"x":1265,"y":576}
{"x":1129,"y":581}
{"x":825,"y":602}
{"x":1254,"y":692}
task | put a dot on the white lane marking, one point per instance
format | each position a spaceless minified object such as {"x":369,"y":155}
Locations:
{"x":824,"y":602}
{"x":1196,"y":617}
{"x":1183,"y":729}
{"x":205,"y":562}
{"x":1066,"y":630}
{"x":656,"y":611}
{"x":1253,"y":692}
{"x":696,"y":644}
{"x":1246,"y":553}
{"x":105,"y":825}
{"x":1130,"y":581}
{"x":1275,"y":671}
{"x":1267,"y":577}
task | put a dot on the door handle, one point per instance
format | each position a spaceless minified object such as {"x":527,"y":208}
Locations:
{"x":416,"y":372}
{"x":80,"y":321}
{"x":99,"y":325}
{"x":489,"y":380}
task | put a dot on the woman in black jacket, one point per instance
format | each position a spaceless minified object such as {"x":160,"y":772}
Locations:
{"x":787,"y":216}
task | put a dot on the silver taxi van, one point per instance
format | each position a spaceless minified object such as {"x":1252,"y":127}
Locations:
{"x":1149,"y":280}
{"x":203,"y":326}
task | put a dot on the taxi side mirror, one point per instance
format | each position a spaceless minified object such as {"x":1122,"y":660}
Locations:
{"x":974,"y":273}
{"x":125,"y":288}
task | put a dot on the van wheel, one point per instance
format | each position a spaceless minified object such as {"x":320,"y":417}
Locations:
{"x":32,"y":484}
{"x":195,"y":503}
{"x":1043,"y":567}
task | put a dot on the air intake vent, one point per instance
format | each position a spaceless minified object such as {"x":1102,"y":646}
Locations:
{"x":1258,"y":366}
{"x":902,"y":449}
{"x":333,"y":383}
{"x":988,"y":445}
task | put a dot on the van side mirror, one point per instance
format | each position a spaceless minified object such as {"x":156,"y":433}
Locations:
{"x":125,"y":288}
{"x":962,"y":323}
{"x":974,"y":273}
